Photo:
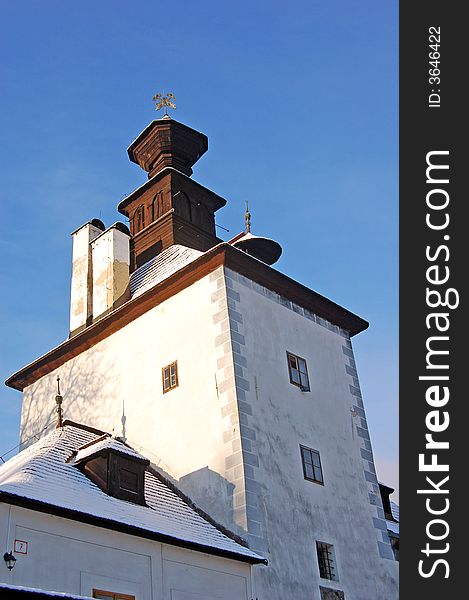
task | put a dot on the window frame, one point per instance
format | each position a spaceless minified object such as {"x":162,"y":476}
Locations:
{"x":327,"y":563}
{"x":314,"y":467}
{"x":112,"y":595}
{"x":171,"y":386}
{"x":296,"y":359}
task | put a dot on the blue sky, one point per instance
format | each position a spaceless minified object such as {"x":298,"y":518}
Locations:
{"x":299,"y":102}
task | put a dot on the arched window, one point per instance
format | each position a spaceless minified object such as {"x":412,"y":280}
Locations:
{"x":139,"y":218}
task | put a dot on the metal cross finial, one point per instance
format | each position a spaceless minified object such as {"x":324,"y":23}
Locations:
{"x":247,"y":218}
{"x":164,"y":101}
{"x":58,"y":401}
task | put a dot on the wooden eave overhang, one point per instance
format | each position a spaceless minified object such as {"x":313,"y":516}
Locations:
{"x":221,"y":255}
{"x":150,"y":127}
{"x":218,"y":201}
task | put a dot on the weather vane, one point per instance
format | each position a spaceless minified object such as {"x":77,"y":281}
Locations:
{"x":164,"y":101}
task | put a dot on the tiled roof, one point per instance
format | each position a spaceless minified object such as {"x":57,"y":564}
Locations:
{"x":161,"y":267}
{"x":42,"y":474}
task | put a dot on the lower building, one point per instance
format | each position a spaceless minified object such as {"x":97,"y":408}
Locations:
{"x":83,"y":514}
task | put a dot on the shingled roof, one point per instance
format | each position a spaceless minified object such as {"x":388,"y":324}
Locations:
{"x":161,"y":267}
{"x":44,"y":477}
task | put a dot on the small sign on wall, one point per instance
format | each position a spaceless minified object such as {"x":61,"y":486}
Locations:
{"x":21,"y":547}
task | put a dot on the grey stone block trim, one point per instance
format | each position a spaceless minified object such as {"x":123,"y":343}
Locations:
{"x":371,"y":477}
{"x":366,"y":452}
{"x":216,"y":274}
{"x":385,"y":550}
{"x":360,"y":412}
{"x":363,"y":433}
{"x":385,"y":536}
{"x":234,"y":393}
{"x":380,"y":524}
{"x":355,"y":391}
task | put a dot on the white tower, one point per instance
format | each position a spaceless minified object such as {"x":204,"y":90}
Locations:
{"x":239,"y":382}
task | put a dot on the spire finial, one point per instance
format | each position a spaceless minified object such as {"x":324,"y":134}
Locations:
{"x":164,"y":101}
{"x":58,"y":401}
{"x":247,"y":218}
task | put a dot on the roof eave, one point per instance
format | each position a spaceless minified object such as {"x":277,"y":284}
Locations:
{"x":221,"y":254}
{"x":81,"y":517}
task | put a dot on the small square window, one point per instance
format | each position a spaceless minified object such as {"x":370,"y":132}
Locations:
{"x":312,"y":468}
{"x":331,"y":593}
{"x":298,"y":371}
{"x":170,"y":377}
{"x":326,"y":561}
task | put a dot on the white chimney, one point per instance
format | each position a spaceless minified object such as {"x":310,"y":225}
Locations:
{"x":110,"y":254}
{"x":81,"y":307}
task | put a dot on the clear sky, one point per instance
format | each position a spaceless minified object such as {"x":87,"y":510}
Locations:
{"x":299,"y":101}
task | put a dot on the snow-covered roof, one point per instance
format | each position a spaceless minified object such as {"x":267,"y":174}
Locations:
{"x":106,"y":443}
{"x":45,"y":475}
{"x":392,"y":525}
{"x":161,"y":267}
{"x":20,"y":591}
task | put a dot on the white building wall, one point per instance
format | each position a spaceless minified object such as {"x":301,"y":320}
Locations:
{"x":288,"y":513}
{"x":180,"y":431}
{"x":230,"y":433}
{"x":68,"y":556}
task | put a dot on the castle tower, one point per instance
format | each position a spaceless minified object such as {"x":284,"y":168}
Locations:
{"x":239,"y":382}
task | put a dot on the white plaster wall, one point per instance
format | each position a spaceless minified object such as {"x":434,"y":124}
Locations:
{"x":293,"y":512}
{"x":72,"y":557}
{"x":229,"y":391}
{"x":181,"y":430}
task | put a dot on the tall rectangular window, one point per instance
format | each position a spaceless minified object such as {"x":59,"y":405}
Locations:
{"x":170,"y":377}
{"x":298,"y":371}
{"x":326,"y":561}
{"x":312,"y":469}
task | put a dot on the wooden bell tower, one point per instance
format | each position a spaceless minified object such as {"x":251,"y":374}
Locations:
{"x":170,"y":208}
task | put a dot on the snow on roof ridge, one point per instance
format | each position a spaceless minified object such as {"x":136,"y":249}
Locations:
{"x":41,"y":592}
{"x":104,"y":442}
{"x":42,"y":474}
{"x":161,"y":267}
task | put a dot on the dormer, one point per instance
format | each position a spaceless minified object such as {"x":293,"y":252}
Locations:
{"x":114,"y":467}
